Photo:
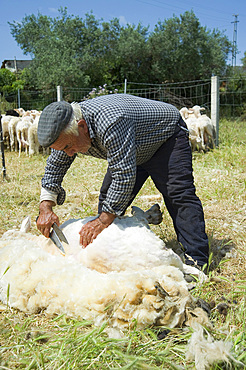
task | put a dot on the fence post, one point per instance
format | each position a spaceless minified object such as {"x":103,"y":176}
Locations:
{"x":19,"y":102}
{"x":59,"y":93}
{"x":215,"y":105}
{"x":125,"y":86}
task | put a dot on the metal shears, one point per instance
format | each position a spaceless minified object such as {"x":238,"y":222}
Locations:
{"x":57,"y":237}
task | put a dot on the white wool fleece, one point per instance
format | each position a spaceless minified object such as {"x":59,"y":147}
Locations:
{"x":126,"y":276}
{"x":118,"y":271}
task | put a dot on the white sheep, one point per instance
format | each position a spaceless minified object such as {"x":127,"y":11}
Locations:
{"x":33,"y":137}
{"x":20,"y":111}
{"x":12,"y":132}
{"x":185,"y":113}
{"x":22,"y":132}
{"x":34,"y":145}
{"x":206,"y":131}
{"x":200,"y":127}
{"x":196,"y":110}
{"x":205,"y":127}
{"x":5,"y":129}
{"x":191,"y":122}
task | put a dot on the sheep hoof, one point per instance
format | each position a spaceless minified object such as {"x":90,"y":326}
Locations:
{"x":154,"y":215}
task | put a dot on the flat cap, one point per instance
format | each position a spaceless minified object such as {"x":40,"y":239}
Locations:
{"x":52,"y":121}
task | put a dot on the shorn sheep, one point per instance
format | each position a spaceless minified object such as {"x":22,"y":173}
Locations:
{"x":12,"y":133}
{"x":202,"y":131}
{"x":126,"y":276}
{"x":33,"y":136}
{"x":22,"y":132}
{"x":205,"y":126}
{"x":191,"y":122}
{"x":5,"y":129}
{"x":10,"y":115}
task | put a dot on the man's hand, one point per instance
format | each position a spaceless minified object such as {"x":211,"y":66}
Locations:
{"x":90,"y":230}
{"x":46,"y":217}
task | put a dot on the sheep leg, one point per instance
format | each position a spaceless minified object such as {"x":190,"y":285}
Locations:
{"x":19,"y":142}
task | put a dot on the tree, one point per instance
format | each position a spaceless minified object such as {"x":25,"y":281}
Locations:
{"x":70,"y":51}
{"x":10,"y":82}
{"x":132,"y":53}
{"x":56,"y":46}
{"x":75,"y":52}
{"x":182,"y":49}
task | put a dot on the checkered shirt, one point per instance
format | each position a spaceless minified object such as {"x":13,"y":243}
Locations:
{"x":126,"y":131}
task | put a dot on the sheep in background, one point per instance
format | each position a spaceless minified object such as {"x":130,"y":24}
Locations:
{"x":205,"y":127}
{"x":206,"y":131}
{"x":20,"y":111}
{"x":12,"y":132}
{"x":5,"y":129}
{"x":22,"y":132}
{"x":191,"y":122}
{"x":200,"y":127}
{"x":18,"y":131}
{"x":185,"y":113}
{"x":34,"y":145}
{"x":33,"y":136}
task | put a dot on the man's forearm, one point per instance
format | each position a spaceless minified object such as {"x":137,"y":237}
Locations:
{"x":46,"y":205}
{"x":106,"y":218}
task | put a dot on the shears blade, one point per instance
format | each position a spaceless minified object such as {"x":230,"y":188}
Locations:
{"x":58,"y":237}
{"x":59,"y":233}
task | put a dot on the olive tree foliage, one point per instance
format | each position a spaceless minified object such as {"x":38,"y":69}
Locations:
{"x":130,"y":57}
{"x":182,"y":49}
{"x":60,"y":47}
{"x":10,"y":82}
{"x":70,"y":51}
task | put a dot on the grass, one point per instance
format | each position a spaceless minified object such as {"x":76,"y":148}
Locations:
{"x":40,"y":342}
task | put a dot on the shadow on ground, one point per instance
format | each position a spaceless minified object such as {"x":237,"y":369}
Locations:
{"x":219,"y":250}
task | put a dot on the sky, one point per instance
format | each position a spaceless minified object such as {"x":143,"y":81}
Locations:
{"x":218,"y":14}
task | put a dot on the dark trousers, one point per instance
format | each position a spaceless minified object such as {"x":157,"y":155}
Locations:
{"x":171,"y":171}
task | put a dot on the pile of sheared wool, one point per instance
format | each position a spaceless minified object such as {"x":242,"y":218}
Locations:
{"x":127,"y":274}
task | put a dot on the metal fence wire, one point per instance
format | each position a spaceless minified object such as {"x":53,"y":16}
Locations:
{"x":186,"y":95}
{"x":232,"y":95}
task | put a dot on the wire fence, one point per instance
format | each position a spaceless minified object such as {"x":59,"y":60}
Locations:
{"x":188,"y":94}
{"x":232,"y":95}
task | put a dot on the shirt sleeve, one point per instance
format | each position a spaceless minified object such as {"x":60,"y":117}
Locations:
{"x":119,"y":140}
{"x":48,"y":195}
{"x":56,"y":168}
